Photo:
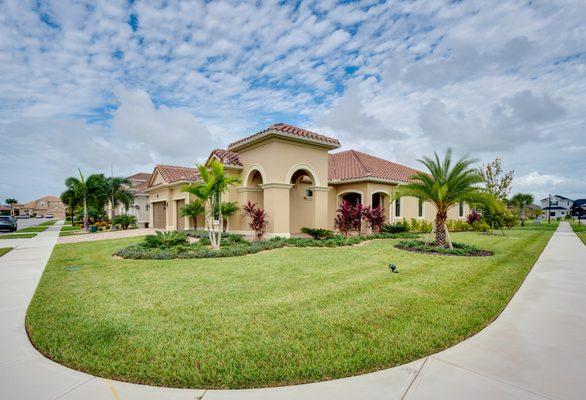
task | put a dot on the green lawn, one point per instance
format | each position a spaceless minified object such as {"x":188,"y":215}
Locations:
{"x":279,"y":317}
{"x":18,"y":236}
{"x":48,"y":223}
{"x":580,"y":229}
{"x":4,"y":250}
{"x":37,"y":229}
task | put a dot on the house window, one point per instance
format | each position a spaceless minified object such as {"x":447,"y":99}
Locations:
{"x":308,"y":193}
{"x":461,"y":209}
{"x":398,"y":208}
{"x":420,"y":211}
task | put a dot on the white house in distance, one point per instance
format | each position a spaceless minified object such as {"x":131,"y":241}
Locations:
{"x":557,"y":206}
{"x":140,"y":204}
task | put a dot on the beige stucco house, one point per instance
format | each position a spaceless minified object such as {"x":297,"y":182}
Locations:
{"x":140,"y":203}
{"x":294,"y":175}
{"x":43,"y":206}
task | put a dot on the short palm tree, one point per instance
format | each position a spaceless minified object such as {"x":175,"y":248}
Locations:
{"x":214,"y":183}
{"x":522,"y":200}
{"x":69,"y":198}
{"x":118,"y":193}
{"x":11,"y":202}
{"x":193,"y":209}
{"x":228,"y":209}
{"x":85,"y":191}
{"x":446,"y":185}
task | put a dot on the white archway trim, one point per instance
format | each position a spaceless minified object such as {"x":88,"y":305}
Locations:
{"x":307,"y":168}
{"x":252,"y":169}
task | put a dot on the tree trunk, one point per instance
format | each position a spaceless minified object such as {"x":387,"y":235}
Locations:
{"x":112,"y":214}
{"x":441,"y":230}
{"x":86,"y":225}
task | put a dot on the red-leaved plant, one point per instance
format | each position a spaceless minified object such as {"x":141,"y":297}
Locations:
{"x":473,"y":217}
{"x":348,"y":218}
{"x":374,"y":217}
{"x":259,"y":219}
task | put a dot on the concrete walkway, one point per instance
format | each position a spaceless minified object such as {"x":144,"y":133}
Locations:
{"x":536,"y":349}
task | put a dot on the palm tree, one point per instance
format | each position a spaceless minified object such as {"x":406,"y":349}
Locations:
{"x":11,"y":202}
{"x":522,"y":200}
{"x":445,"y":186}
{"x":214,"y":183}
{"x":118,"y":193}
{"x":228,"y":209}
{"x":86,"y":191}
{"x":70,"y":199}
{"x":193,"y":209}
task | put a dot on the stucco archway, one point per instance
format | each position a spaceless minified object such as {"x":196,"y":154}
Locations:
{"x":301,"y":200}
{"x":353,"y":197}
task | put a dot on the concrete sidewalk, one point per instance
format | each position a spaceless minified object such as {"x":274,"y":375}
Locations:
{"x":536,"y":349}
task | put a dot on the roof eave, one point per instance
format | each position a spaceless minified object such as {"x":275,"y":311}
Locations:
{"x":286,"y":135}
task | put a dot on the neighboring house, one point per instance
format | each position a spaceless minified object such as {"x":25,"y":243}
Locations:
{"x":290,"y":173}
{"x":140,"y":205}
{"x":579,"y":208}
{"x":556,"y":206}
{"x":43,"y":206}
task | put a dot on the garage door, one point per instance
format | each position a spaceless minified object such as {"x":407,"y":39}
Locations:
{"x":159,"y":219}
{"x":180,"y":220}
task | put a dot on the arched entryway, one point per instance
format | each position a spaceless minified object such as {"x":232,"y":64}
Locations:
{"x":254,"y":183}
{"x":301,"y":201}
{"x":353,"y":198}
{"x":380,"y":199}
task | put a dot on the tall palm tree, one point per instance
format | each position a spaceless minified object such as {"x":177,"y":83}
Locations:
{"x":11,"y":202}
{"x":446,"y":185}
{"x":86,"y":191}
{"x":522,"y":200}
{"x":214,"y":183}
{"x":193,"y":209}
{"x":118,"y":192}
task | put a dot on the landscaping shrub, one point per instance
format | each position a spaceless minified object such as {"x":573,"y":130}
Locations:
{"x":420,"y":226}
{"x":397,"y":228}
{"x":374,"y":217}
{"x":124,"y":221}
{"x":459,"y":249}
{"x":457,"y":225}
{"x":473,"y":217}
{"x":347,"y":218}
{"x":480,"y":226}
{"x":259,"y":219}
{"x":318,"y":234}
{"x":164,"y":240}
{"x":158,"y":247}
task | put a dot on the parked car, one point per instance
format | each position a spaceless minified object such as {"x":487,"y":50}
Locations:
{"x":39,"y":216}
{"x":48,"y":215}
{"x":7,"y":223}
{"x":23,"y":216}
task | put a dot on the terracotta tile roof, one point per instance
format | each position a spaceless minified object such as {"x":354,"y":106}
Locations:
{"x":226,"y":156}
{"x":352,"y":164}
{"x":172,"y":173}
{"x":289,"y":130}
{"x":141,"y":176}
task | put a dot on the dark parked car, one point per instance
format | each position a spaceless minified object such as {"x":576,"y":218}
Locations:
{"x":7,"y":223}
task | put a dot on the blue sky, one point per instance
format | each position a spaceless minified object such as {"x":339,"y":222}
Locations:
{"x":134,"y":84}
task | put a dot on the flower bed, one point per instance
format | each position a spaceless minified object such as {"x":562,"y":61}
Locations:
{"x":234,"y":245}
{"x":459,"y":249}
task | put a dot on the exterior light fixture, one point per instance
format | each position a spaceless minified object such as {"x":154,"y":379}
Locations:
{"x":393,"y":268}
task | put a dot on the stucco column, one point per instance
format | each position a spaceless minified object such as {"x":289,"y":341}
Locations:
{"x":320,"y":207}
{"x":170,"y":212}
{"x":276,"y":204}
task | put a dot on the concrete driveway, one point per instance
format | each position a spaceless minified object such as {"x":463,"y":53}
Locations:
{"x":536,"y":349}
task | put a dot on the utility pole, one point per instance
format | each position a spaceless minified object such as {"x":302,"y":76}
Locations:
{"x":549,"y":209}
